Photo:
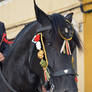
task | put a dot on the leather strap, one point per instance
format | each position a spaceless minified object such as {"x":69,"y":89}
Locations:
{"x":64,"y":72}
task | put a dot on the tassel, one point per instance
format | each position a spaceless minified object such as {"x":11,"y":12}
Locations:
{"x":76,"y":79}
{"x":64,"y":51}
{"x":63,"y":46}
{"x":43,"y":63}
{"x":67,"y":47}
{"x":48,"y":76}
{"x":45,"y":75}
{"x":68,"y":50}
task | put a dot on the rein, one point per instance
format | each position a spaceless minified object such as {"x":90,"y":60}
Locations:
{"x":4,"y":35}
{"x":1,"y":75}
{"x":6,"y":83}
{"x":5,"y":40}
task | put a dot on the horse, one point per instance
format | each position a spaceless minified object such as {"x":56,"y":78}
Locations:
{"x":21,"y":71}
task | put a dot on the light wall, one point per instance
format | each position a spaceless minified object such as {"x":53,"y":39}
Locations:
{"x":18,"y":11}
{"x":21,"y":11}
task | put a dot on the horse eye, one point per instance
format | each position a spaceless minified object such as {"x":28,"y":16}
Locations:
{"x":66,"y":30}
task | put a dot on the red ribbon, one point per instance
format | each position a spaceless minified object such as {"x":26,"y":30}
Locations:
{"x":45,"y":75}
{"x":37,"y":38}
{"x":76,"y":79}
{"x":67,"y":47}
{"x":5,"y":40}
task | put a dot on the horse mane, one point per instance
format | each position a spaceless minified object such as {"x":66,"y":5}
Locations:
{"x":58,"y":21}
{"x":21,"y":43}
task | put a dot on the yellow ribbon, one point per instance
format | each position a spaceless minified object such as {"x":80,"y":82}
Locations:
{"x":43,"y":46}
{"x":63,"y":36}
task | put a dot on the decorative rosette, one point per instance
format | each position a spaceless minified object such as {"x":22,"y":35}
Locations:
{"x":36,"y":40}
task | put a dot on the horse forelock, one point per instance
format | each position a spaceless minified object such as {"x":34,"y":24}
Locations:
{"x":58,"y":21}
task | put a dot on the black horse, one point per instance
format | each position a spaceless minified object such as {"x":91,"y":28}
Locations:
{"x":21,"y":71}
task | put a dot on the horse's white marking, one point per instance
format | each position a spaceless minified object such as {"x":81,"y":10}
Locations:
{"x":66,"y":71}
{"x":66,"y":30}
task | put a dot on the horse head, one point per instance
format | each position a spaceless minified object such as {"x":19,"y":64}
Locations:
{"x":60,"y":39}
{"x":57,"y":26}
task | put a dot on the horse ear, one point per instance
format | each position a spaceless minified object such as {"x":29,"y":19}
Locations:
{"x":42,"y":18}
{"x":69,"y":17}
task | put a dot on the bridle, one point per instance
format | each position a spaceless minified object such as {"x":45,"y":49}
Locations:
{"x":2,"y":76}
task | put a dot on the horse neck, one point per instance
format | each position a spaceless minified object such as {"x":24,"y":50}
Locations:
{"x":18,"y":69}
{"x":16,"y":63}
{"x":21,"y":45}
